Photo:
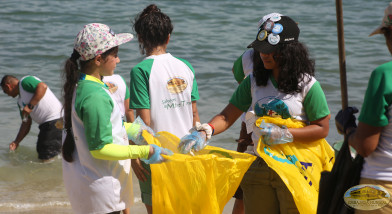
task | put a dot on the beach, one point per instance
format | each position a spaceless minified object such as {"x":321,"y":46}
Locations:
{"x":37,"y":37}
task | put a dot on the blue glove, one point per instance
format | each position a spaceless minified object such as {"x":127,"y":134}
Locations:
{"x":156,"y":157}
{"x":135,"y":130}
{"x":345,"y":119}
{"x":195,"y":141}
{"x":273,"y":134}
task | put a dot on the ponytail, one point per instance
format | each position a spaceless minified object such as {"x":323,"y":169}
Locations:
{"x":71,"y":76}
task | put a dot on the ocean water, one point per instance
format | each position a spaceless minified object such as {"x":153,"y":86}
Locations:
{"x":37,"y":37}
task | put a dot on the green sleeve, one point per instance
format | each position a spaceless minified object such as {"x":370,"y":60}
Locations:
{"x":126,"y":90}
{"x":315,"y":103}
{"x":242,"y":97}
{"x":139,"y":85}
{"x":30,"y":84}
{"x":95,"y":111}
{"x":378,"y":97}
{"x":238,"y":70}
{"x":121,"y":152}
{"x":195,"y":90}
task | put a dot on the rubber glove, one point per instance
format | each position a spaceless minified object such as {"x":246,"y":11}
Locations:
{"x":135,"y":130}
{"x":273,"y":134}
{"x":346,"y":119}
{"x":156,"y":157}
{"x":209,"y":130}
{"x":195,"y":141}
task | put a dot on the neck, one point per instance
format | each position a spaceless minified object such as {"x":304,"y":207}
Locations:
{"x":158,"y":50}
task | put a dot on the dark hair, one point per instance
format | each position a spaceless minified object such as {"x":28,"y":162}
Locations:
{"x":152,"y":28}
{"x":294,"y":63}
{"x":6,"y":79}
{"x":71,"y":75}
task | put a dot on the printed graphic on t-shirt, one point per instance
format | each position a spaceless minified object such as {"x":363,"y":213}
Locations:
{"x":112,"y":87}
{"x":176,"y":85}
{"x":271,"y":106}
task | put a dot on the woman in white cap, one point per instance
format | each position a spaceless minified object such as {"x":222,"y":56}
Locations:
{"x":372,"y":139}
{"x":96,"y":150}
{"x":282,"y":84}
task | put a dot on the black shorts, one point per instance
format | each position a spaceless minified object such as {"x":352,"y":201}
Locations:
{"x":49,"y":140}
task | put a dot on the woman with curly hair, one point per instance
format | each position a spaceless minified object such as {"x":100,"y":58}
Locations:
{"x":282,"y":84}
{"x":163,"y":88}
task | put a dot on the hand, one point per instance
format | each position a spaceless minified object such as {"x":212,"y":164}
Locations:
{"x":207,"y":128}
{"x":139,"y":170}
{"x":194,"y":141}
{"x":135,"y":130}
{"x":273,"y":134}
{"x":13,"y":146}
{"x":345,"y":119}
{"x":155,"y":154}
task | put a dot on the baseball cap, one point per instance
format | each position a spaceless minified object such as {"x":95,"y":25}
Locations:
{"x":96,"y":38}
{"x":386,"y":21}
{"x":275,"y":30}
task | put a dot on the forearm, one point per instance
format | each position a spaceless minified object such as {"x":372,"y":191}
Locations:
{"x":121,"y":152}
{"x":315,"y":131}
{"x":225,"y":119}
{"x":196,"y":117}
{"x":364,"y":139}
{"x":23,"y":131}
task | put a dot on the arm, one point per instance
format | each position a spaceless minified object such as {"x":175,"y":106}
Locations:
{"x":23,"y":131}
{"x":317,"y":129}
{"x":120,"y":152}
{"x":196,"y":117}
{"x":226,"y":118}
{"x":365,"y":138}
{"x":38,"y":94}
{"x":128,"y":112}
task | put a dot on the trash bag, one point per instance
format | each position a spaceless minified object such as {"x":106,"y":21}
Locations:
{"x":299,"y":164}
{"x":202,"y":183}
{"x":345,"y":174}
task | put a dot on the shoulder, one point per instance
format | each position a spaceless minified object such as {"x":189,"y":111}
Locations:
{"x":383,"y":69}
{"x":186,"y":62}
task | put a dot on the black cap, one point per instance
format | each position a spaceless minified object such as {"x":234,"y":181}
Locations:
{"x":284,"y":30}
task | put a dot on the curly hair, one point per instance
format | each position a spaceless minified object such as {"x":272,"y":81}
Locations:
{"x":152,"y":28}
{"x":294,"y":62}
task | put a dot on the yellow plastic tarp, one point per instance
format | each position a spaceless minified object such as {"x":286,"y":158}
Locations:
{"x":299,"y":164}
{"x":203,"y":183}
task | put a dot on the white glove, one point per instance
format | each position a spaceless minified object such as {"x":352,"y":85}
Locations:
{"x":250,"y":119}
{"x":203,"y":127}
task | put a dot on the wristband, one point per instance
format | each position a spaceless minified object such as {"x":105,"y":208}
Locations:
{"x":213,"y":128}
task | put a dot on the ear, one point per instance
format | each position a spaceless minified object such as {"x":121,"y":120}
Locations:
{"x":98,"y":60}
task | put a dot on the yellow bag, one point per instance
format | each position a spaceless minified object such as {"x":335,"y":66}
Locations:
{"x":203,"y":183}
{"x":299,"y":164}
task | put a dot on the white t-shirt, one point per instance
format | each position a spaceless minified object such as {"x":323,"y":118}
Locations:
{"x":119,"y":90}
{"x":167,"y":86}
{"x":47,"y":109}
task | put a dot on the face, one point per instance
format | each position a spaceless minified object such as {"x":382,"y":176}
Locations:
{"x":269,"y":61}
{"x":109,"y":65}
{"x":9,"y":90}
